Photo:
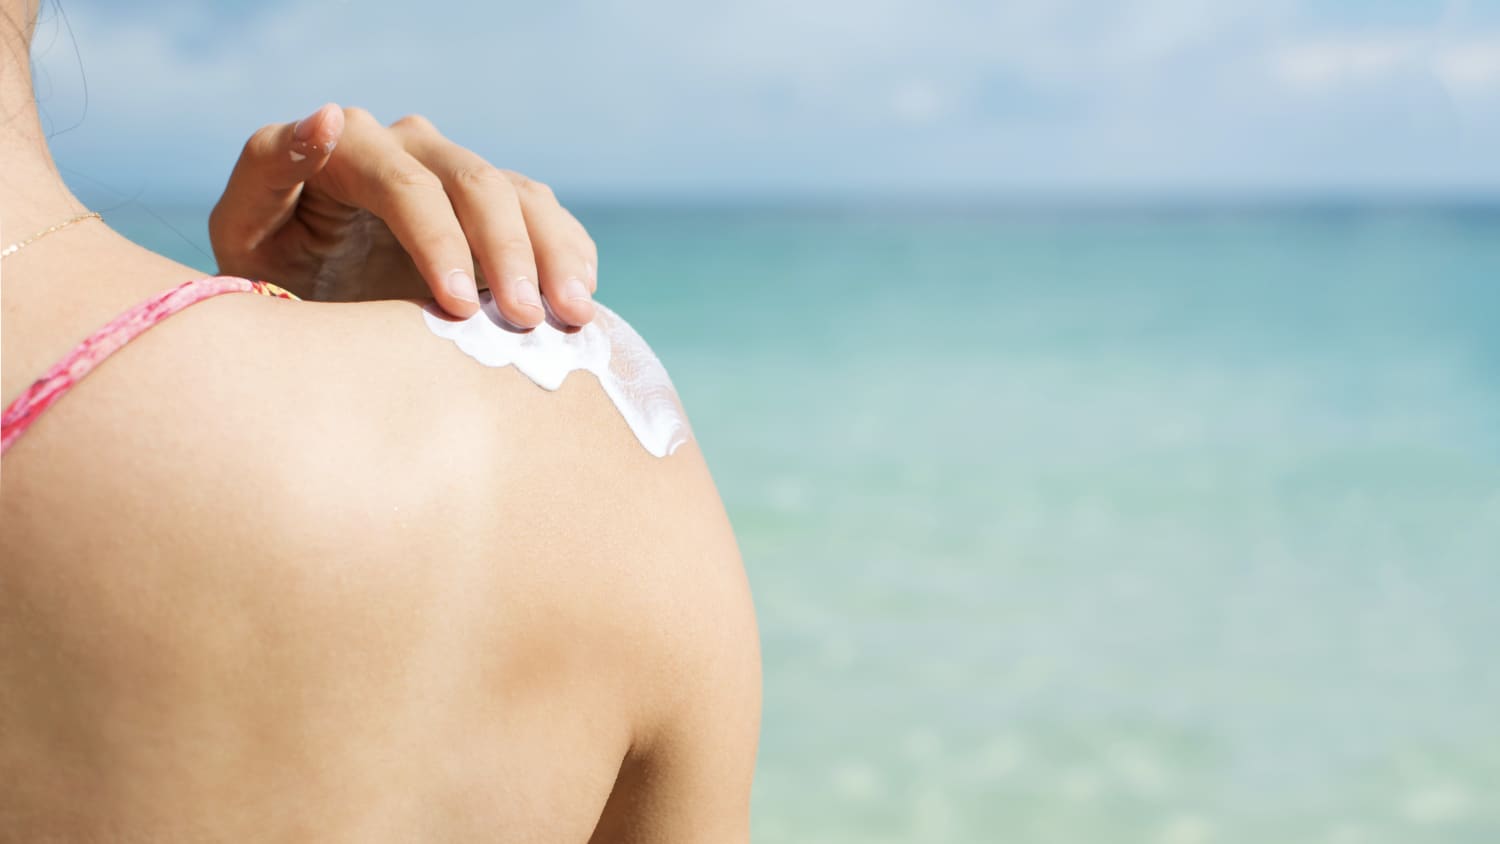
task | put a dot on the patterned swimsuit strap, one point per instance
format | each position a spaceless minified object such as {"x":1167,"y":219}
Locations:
{"x":110,"y":338}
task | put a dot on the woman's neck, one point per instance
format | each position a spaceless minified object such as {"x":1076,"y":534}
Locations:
{"x":33,"y":197}
{"x":66,"y":284}
{"x":32,"y":192}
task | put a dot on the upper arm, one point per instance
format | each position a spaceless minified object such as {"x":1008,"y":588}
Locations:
{"x":649,"y":584}
{"x":688,"y":773}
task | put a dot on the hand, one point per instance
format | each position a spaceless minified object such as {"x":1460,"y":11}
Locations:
{"x":338,"y":207}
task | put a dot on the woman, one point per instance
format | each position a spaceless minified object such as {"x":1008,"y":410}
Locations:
{"x":291,"y":570}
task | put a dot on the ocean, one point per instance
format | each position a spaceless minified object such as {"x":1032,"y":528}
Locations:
{"x":1093,"y":523}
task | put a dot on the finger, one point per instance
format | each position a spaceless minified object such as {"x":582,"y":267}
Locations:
{"x":489,"y":210}
{"x":267,"y":180}
{"x":565,"y":254}
{"x":377,"y":174}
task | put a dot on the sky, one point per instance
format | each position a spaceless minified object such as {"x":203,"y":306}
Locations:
{"x":689,"y":98}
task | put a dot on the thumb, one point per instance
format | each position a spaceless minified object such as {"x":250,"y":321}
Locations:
{"x":267,"y":180}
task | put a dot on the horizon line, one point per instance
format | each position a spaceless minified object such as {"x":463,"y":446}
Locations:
{"x":995,"y":201}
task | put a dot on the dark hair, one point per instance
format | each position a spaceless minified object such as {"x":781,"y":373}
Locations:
{"x":27,"y":32}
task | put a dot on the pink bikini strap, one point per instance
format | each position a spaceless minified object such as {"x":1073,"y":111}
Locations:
{"x":111,"y":338}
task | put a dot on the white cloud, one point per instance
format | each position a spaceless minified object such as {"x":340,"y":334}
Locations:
{"x":1466,"y":69}
{"x":917,"y":102}
{"x":1470,"y":69}
{"x":1325,"y":66}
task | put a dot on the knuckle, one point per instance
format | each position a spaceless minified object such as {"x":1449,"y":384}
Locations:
{"x":357,"y":115}
{"x":514,"y":247}
{"x":406,"y":176}
{"x":480,"y":177}
{"x":262,"y":141}
{"x":527,"y":186}
{"x":540,"y":190}
{"x":580,"y":238}
{"x":449,"y":240}
{"x":414,"y":123}
{"x":586,"y":254}
{"x":438,"y":243}
{"x":513,"y":251}
{"x":395,"y":184}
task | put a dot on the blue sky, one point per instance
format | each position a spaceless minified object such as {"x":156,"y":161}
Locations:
{"x":684,"y":98}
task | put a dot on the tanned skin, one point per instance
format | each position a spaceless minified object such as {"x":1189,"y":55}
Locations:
{"x":284,"y":571}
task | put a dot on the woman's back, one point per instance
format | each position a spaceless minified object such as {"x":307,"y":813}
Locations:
{"x":288,"y":570}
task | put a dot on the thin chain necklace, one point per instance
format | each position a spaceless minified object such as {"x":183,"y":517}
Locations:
{"x":22,"y":244}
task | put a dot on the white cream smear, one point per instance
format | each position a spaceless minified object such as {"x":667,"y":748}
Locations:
{"x":628,"y":371}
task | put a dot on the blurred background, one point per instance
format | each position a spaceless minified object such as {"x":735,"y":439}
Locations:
{"x":1106,"y":395}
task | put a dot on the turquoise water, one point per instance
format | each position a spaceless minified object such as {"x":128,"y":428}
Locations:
{"x":1096,"y":525}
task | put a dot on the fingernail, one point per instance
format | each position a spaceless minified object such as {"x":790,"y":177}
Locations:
{"x":589,"y":269}
{"x":526,"y":294}
{"x":304,"y":129}
{"x":574,"y":290}
{"x":461,"y":286}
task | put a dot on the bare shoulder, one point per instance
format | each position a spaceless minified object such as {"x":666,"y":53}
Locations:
{"x":441,"y":556}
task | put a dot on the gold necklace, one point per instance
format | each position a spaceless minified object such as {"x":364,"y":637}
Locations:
{"x":21,"y":244}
